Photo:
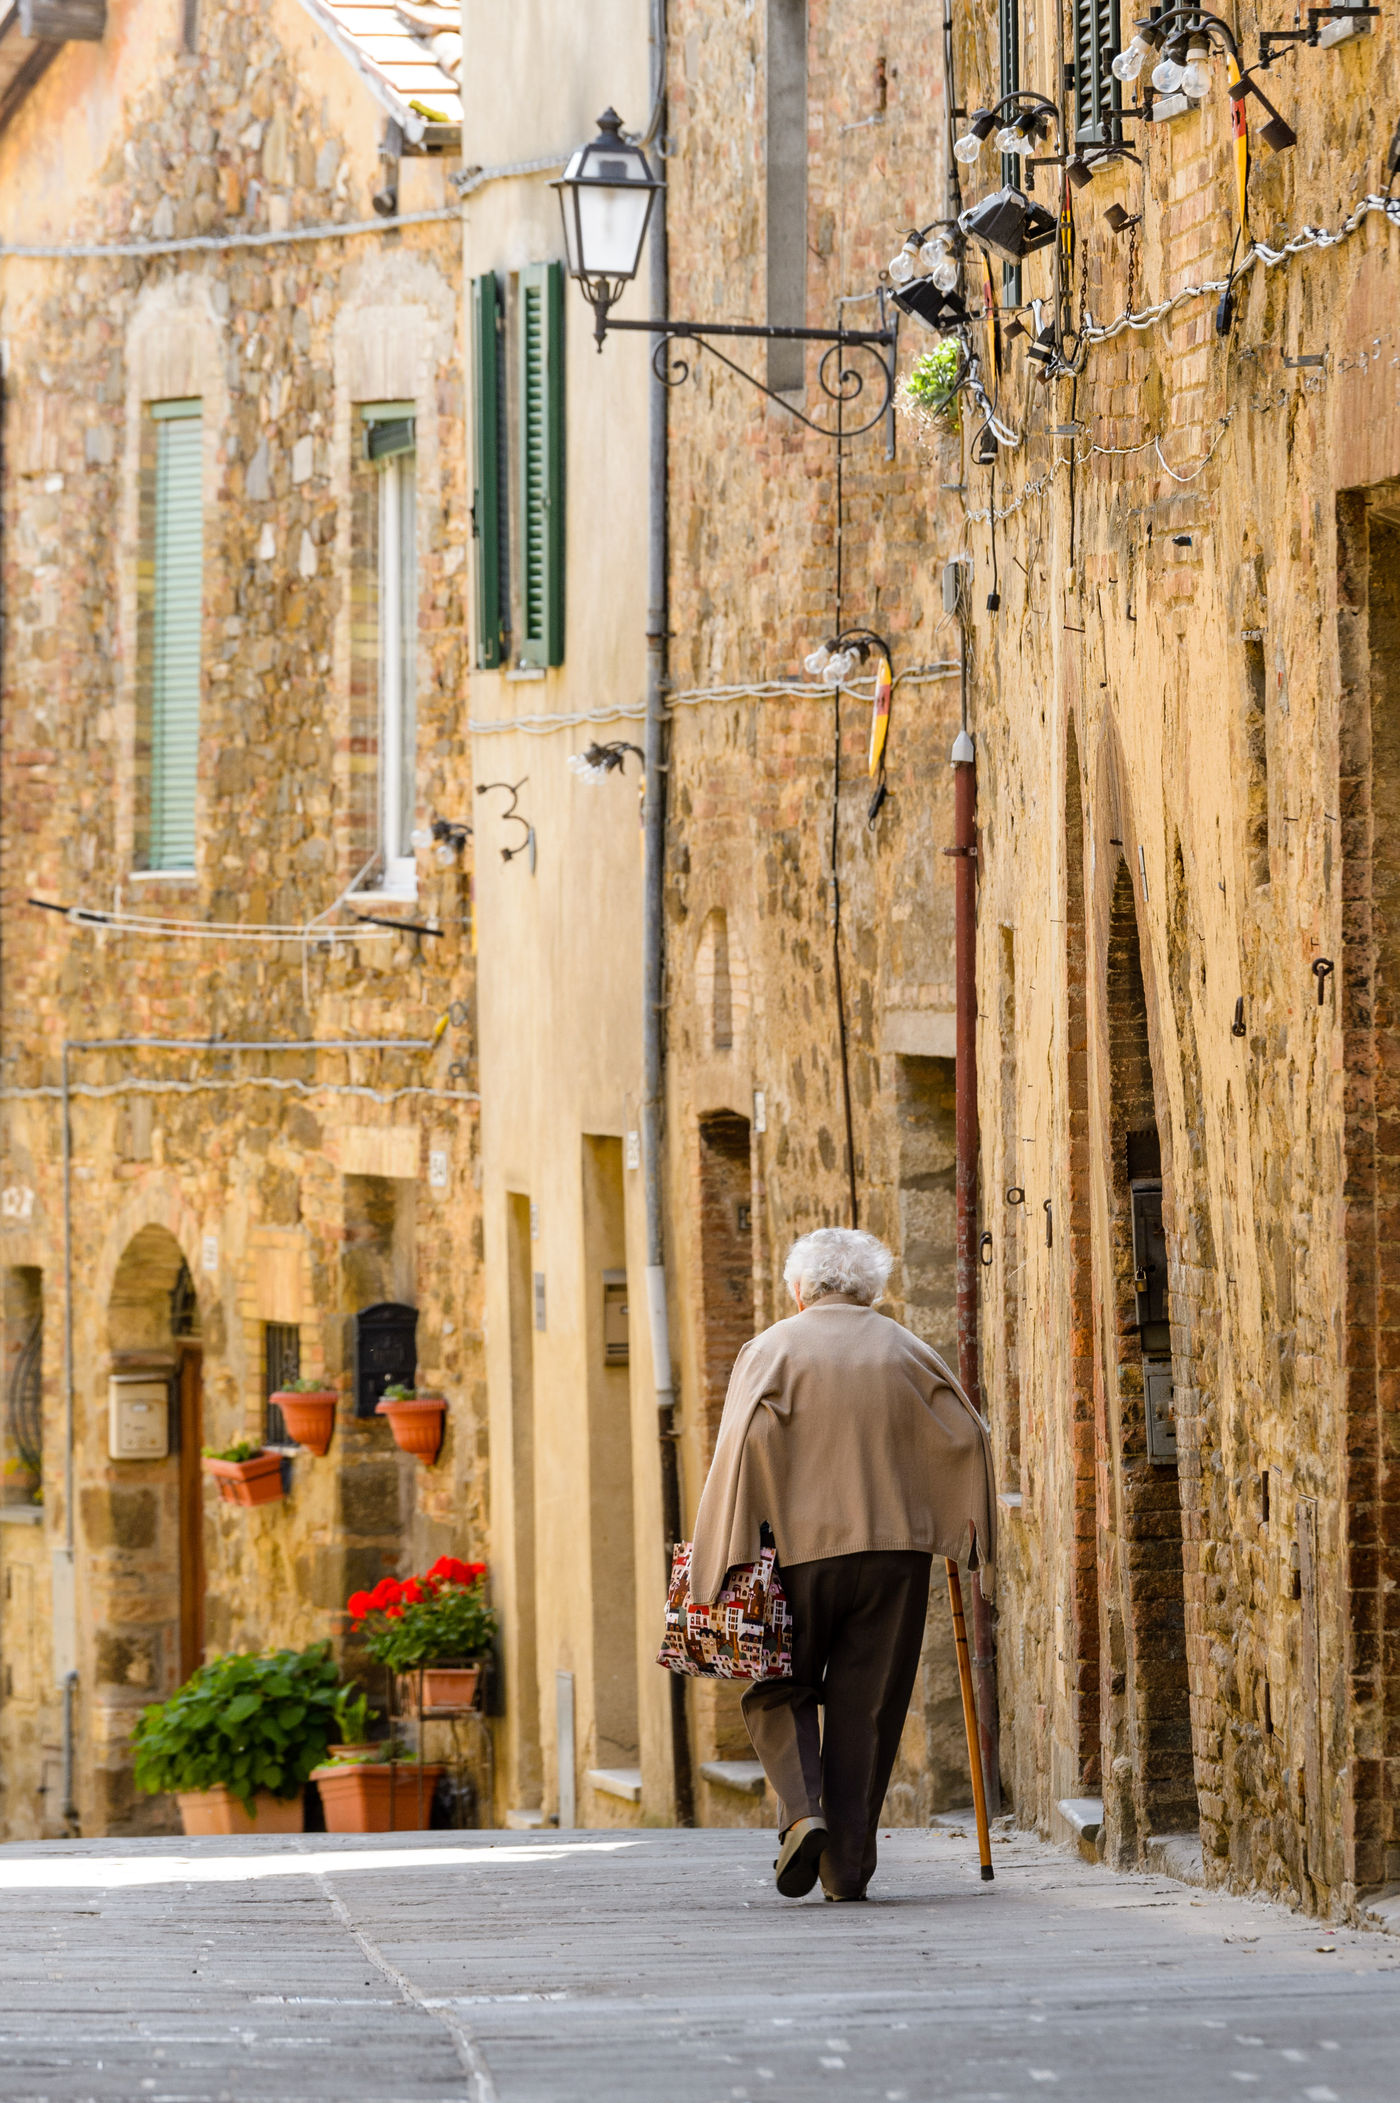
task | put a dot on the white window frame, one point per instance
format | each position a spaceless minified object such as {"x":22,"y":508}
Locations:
{"x":397,"y":611}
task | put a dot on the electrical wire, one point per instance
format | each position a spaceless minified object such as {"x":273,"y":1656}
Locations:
{"x":100,"y":1089}
{"x":1072,"y":459}
{"x":207,"y":244}
{"x":1260,"y":252}
{"x":749,"y":690}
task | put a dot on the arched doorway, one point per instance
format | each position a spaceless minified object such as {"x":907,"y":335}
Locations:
{"x":1161,"y":1798}
{"x":145,"y":1528}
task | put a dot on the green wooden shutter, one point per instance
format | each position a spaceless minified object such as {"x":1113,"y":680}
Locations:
{"x":175,"y":641}
{"x":541,"y":334}
{"x":488,"y":510}
{"x":1096,"y":92}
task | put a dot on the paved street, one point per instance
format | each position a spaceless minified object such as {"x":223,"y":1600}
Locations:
{"x":660,"y":1967}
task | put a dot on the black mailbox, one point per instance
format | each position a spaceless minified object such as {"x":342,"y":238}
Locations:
{"x":386,"y":1352}
{"x":1154,"y":1327}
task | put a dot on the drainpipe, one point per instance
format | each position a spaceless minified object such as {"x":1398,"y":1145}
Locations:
{"x":654,"y":934}
{"x":964,"y":761}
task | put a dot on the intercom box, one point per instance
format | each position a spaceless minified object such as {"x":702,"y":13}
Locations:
{"x":138,"y":1417}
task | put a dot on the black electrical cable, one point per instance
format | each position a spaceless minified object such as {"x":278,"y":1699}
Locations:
{"x":838,"y":984}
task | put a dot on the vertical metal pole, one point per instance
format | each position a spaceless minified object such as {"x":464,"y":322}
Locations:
{"x":69,"y":1401}
{"x":654,"y":934}
{"x":965,"y":920}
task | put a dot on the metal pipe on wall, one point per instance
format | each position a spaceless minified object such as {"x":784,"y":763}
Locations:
{"x":965,"y":921}
{"x":654,"y":926}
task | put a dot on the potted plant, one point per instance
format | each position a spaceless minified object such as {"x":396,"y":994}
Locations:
{"x":415,"y":1418}
{"x":246,"y":1473}
{"x":353,"y":1716}
{"x":437,"y":1628}
{"x":929,"y":392}
{"x":308,"y":1411}
{"x":374,"y":1790}
{"x":236,"y":1744}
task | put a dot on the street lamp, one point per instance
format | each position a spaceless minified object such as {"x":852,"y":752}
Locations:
{"x":606,"y":194}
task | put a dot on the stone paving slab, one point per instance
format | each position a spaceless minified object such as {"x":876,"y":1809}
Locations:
{"x":661,"y":1967}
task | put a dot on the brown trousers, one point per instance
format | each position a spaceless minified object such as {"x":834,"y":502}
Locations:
{"x":857,"y":1630}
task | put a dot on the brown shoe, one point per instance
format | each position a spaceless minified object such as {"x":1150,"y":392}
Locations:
{"x":799,"y":1857}
{"x":843,"y":1898}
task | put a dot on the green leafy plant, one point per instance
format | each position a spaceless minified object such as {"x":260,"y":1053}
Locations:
{"x":305,"y":1387}
{"x":353,"y":1716}
{"x":437,"y":1619}
{"x":395,"y":1392}
{"x":252,"y":1721}
{"x":930,"y":388}
{"x":241,"y":1449}
{"x":370,"y":1756}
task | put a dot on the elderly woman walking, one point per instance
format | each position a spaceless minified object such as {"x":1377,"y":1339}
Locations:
{"x":852,"y":1440}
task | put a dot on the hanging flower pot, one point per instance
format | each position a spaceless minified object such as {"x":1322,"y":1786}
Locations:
{"x":415,"y":1420}
{"x":246,"y":1475}
{"x":448,"y":1690}
{"x":309,"y":1415}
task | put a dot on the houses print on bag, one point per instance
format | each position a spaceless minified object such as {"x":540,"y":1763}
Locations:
{"x":746,"y":1634}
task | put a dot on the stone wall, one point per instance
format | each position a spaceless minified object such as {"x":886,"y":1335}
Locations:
{"x":775,"y":545}
{"x":1178,"y":772}
{"x":291,"y":1188}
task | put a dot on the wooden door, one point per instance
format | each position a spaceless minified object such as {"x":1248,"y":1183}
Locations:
{"x":191,"y":1395}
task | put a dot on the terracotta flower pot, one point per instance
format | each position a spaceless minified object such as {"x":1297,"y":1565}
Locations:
{"x":218,"y":1810}
{"x":310,"y":1419}
{"x":256,"y":1481}
{"x":378,"y":1796}
{"x":448,"y":1690}
{"x":417,"y":1425}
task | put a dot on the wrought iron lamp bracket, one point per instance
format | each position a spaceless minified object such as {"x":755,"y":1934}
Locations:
{"x":841,"y":382}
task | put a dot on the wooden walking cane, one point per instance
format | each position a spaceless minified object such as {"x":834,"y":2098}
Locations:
{"x":969,"y":1702}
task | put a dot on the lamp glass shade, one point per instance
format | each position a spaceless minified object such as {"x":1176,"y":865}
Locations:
{"x":606,"y":193}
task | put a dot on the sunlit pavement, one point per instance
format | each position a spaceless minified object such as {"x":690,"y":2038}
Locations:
{"x":661,"y":1967}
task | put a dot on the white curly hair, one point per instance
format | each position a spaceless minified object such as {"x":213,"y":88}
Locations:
{"x":838,"y":1259}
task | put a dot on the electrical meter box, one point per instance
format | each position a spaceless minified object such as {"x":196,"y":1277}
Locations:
{"x":138,"y":1417}
{"x":1154,"y":1327}
{"x":615,"y":1318}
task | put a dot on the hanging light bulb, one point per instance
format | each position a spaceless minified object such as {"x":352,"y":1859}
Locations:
{"x":934,"y":250}
{"x":980,"y":125}
{"x":1011,"y":139}
{"x":945,"y":273}
{"x":1167,"y":76}
{"x":1128,"y":64}
{"x":815,"y":663}
{"x":1195,"y":80}
{"x":837,"y":666}
{"x":902,"y":265}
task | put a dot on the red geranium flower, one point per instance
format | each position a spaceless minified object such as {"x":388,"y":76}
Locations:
{"x":451,"y":1570}
{"x":357,"y":1606}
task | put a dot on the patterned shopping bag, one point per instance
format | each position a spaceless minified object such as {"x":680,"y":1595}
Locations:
{"x":746,"y":1634}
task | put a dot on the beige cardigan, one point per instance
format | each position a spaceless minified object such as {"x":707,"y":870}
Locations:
{"x":845,"y":1432}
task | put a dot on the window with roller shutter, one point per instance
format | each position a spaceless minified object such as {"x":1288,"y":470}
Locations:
{"x":177,"y":604}
{"x":540,"y":332}
{"x":1096,"y":92}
